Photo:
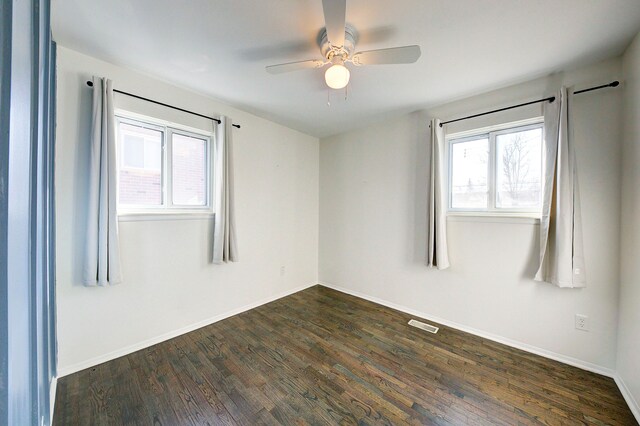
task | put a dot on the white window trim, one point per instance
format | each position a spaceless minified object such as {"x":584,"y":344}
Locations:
{"x":490,"y":133}
{"x":164,"y":216}
{"x":168,"y":210}
{"x":494,"y":218}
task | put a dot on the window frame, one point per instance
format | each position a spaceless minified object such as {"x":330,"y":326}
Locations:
{"x":167,"y":208}
{"x":491,"y":133}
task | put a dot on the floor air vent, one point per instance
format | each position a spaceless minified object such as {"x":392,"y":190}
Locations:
{"x":424,"y":326}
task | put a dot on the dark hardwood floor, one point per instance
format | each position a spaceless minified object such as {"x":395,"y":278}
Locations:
{"x":323,"y":357}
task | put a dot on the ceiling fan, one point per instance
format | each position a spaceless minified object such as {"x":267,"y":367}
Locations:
{"x":337,"y":43}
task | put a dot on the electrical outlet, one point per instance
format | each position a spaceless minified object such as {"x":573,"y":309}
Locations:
{"x":282,"y":270}
{"x":582,"y":322}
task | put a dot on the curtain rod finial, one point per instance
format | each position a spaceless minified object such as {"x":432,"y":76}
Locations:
{"x":552,"y":99}
{"x":615,"y":83}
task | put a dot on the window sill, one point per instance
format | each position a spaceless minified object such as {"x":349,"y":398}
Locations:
{"x":186,"y":215}
{"x":517,"y":218}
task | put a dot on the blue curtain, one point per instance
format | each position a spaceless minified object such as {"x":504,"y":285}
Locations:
{"x":27,"y":257}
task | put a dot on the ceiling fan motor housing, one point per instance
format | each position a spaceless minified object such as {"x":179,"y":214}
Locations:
{"x":330,"y":52}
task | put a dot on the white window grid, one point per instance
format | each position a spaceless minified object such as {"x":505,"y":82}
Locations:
{"x":168,"y":129}
{"x":491,"y":134}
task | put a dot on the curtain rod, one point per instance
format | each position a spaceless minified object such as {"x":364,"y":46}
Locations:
{"x":615,"y":83}
{"x":217,"y":120}
{"x":550,"y":99}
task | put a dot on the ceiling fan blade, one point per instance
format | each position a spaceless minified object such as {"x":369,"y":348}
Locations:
{"x":335,"y":12}
{"x":394,"y":55}
{"x":294,"y":66}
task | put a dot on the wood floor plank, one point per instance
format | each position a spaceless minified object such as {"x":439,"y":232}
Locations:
{"x":324,"y":357}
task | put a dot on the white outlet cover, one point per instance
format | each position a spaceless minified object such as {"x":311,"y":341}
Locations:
{"x":582,"y":322}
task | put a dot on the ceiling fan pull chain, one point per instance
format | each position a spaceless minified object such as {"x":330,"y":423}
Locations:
{"x":346,"y":92}
{"x":328,"y":97}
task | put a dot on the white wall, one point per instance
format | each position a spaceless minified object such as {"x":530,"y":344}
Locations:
{"x":373,"y":197}
{"x":169,"y":284}
{"x":629,"y":325}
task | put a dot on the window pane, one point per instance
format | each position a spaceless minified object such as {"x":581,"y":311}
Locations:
{"x":140,"y":176}
{"x":133,"y":151}
{"x":189,"y":162}
{"x":469,"y":172}
{"x":519,"y":169}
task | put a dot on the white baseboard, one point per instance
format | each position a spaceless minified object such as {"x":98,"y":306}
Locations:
{"x":65,"y":371}
{"x":628,"y":396}
{"x":594,"y":368}
{"x":52,"y":398}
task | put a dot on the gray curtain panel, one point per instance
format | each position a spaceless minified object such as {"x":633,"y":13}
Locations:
{"x":102,"y":262}
{"x":225,"y":248}
{"x":561,"y":246}
{"x":437,"y":251}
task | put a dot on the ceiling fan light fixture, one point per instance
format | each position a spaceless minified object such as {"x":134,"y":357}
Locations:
{"x":337,"y":42}
{"x":337,"y":76}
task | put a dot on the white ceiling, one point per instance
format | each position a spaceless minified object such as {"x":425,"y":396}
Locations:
{"x":220,"y":48}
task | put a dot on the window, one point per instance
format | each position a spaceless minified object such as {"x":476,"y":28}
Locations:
{"x":497,"y":170}
{"x":162,"y":168}
{"x":189,"y":172}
